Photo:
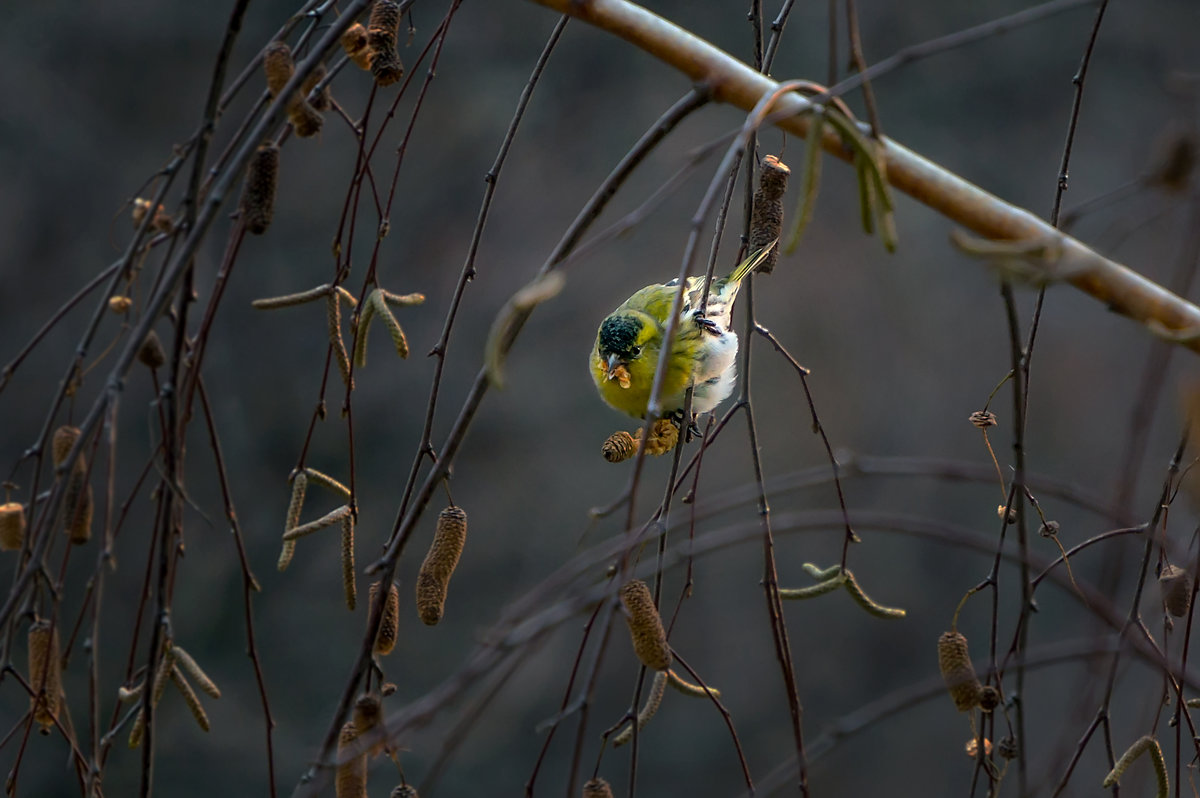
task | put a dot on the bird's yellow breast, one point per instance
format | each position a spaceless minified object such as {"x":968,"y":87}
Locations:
{"x":634,"y":399}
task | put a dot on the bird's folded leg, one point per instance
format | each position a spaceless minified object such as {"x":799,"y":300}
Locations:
{"x":708,"y":325}
{"x":692,"y":428}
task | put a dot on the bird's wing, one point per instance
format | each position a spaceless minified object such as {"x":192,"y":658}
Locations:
{"x":721,"y":294}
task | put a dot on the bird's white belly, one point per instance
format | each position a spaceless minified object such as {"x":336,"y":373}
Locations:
{"x":715,"y":375}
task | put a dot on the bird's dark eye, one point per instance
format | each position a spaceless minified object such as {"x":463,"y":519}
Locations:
{"x":635,"y":352}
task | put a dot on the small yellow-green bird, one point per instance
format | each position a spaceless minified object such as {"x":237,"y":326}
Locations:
{"x":703,"y":354}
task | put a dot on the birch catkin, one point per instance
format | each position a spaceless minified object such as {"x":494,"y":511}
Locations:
{"x":12,"y":526}
{"x":162,"y":674}
{"x":295,"y":507}
{"x":766,"y":217}
{"x":354,"y":42}
{"x":1141,"y":746}
{"x":383,"y":31}
{"x":687,"y":688}
{"x":1176,"y":586}
{"x":440,"y":562}
{"x":389,"y":320}
{"x":389,"y":625}
{"x":333,"y":314}
{"x":151,"y":353}
{"x":329,"y":519}
{"x":77,"y":500}
{"x":364,"y":326}
{"x":597,"y":788}
{"x":368,"y":719}
{"x":954,"y":661}
{"x":351,"y":781}
{"x":323,"y":101}
{"x":45,"y":674}
{"x":648,"y":710}
{"x":645,"y":626}
{"x":60,"y":445}
{"x":189,"y":697}
{"x":619,"y":447}
{"x":279,"y":68}
{"x":188,"y":665}
{"x":349,"y":583}
{"x":258,"y":192}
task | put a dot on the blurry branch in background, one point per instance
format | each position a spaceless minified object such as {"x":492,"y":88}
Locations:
{"x":1066,"y":260}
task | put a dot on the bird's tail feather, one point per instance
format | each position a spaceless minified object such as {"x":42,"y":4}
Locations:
{"x":752,"y":262}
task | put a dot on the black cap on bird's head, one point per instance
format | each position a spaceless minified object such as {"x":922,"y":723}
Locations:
{"x":619,"y":335}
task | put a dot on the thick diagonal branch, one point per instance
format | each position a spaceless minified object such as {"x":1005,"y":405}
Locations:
{"x":730,"y":81}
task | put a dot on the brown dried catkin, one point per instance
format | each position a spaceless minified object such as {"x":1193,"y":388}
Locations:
{"x":78,"y":504}
{"x":306,"y":120}
{"x":440,"y":562}
{"x":597,"y":788}
{"x":60,"y":445}
{"x":954,"y":661}
{"x":619,"y":447}
{"x":766,"y":217}
{"x":383,"y":31}
{"x":1175,"y":583}
{"x":368,"y":709}
{"x":258,"y":192}
{"x":12,"y":526}
{"x":45,"y":674}
{"x":354,"y":42}
{"x":367,"y":717}
{"x":324,"y":100}
{"x":389,"y":625}
{"x":351,"y":781}
{"x":151,"y":353}
{"x":645,"y":626}
{"x":349,"y":582}
{"x":279,"y":68}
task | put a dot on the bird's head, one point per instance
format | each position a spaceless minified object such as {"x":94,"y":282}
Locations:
{"x":621,"y":340}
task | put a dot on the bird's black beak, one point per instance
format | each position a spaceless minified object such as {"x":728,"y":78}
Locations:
{"x":614,"y":362}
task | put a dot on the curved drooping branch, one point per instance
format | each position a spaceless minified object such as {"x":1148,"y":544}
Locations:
{"x":1058,"y":257}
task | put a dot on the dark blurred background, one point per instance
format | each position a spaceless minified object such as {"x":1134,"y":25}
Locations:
{"x":902,"y":349}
